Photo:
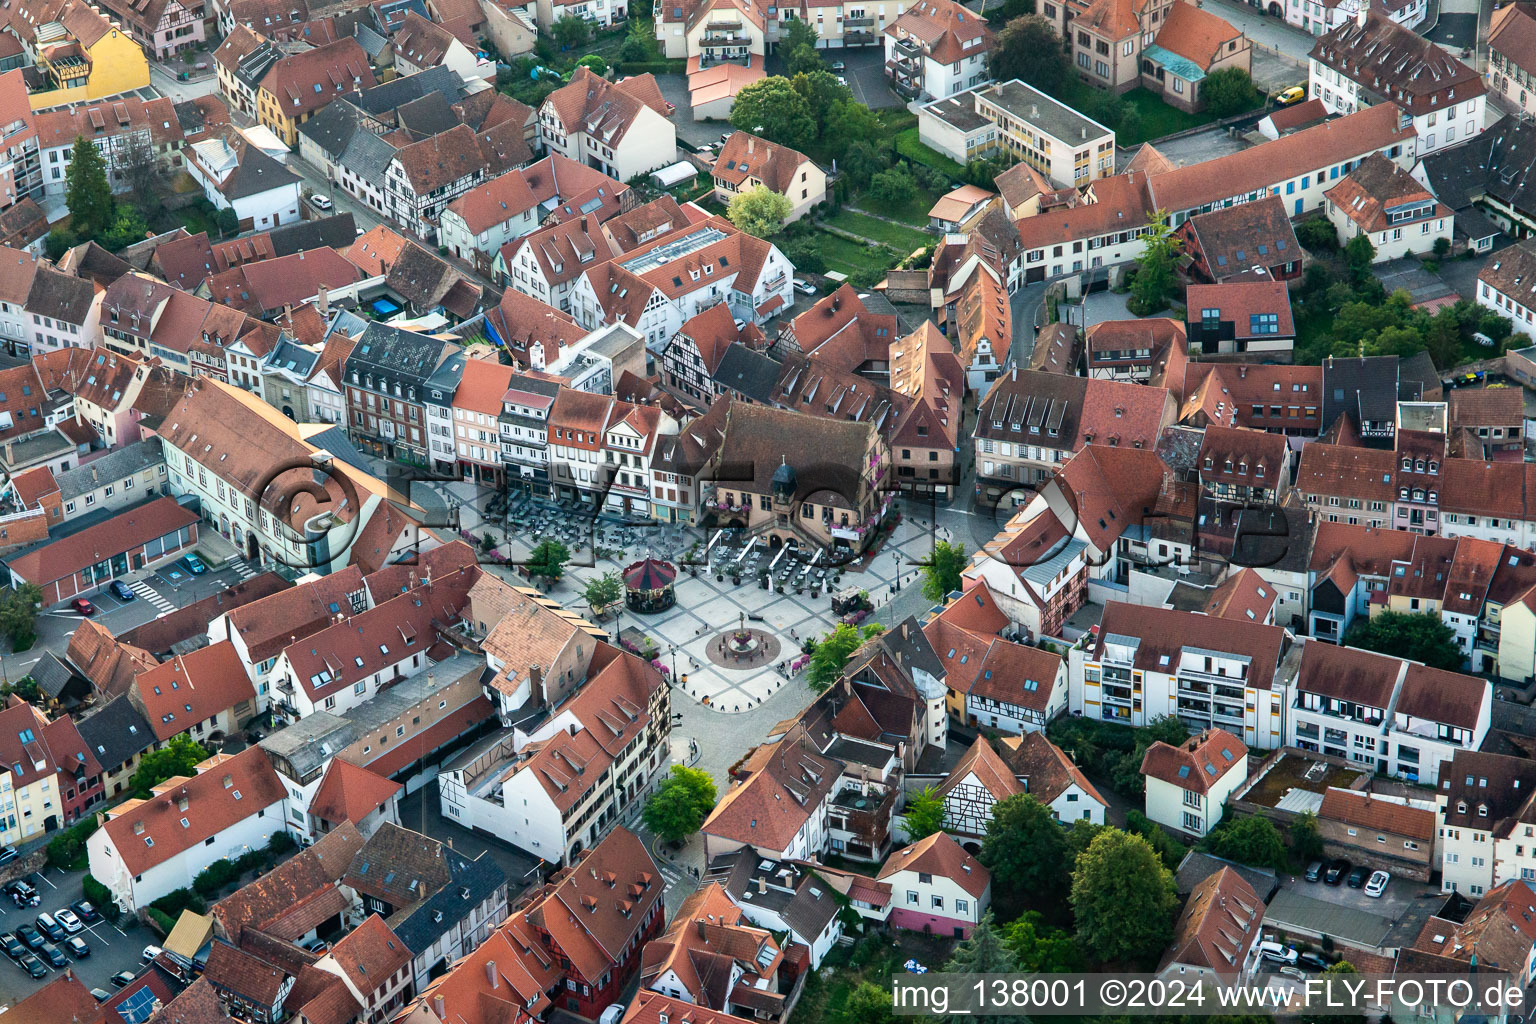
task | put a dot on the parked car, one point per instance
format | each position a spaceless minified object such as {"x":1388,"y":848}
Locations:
{"x":839,"y":66}
{"x":1295,"y":94}
{"x":1377,"y":884}
{"x":1271,"y":950}
{"x":1336,"y":872}
{"x":54,"y":955}
{"x":49,"y":927}
{"x":320,"y":202}
{"x":121,"y":591}
{"x":1314,"y":961}
{"x":1358,"y":876}
{"x":122,"y":979}
{"x":76,"y":945}
{"x":30,"y":935}
{"x":83,"y":606}
{"x":150,"y":952}
{"x":22,"y":893}
{"x":192,"y":564}
{"x":12,"y":946}
{"x":841,"y":80}
{"x":1293,"y":972}
{"x":100,"y":994}
{"x":804,"y":287}
{"x":85,"y":910}
{"x":33,"y":966}
{"x":1314,"y":871}
{"x":68,"y":921}
{"x":8,"y":854}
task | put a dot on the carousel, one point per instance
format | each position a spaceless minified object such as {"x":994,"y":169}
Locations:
{"x":648,"y":585}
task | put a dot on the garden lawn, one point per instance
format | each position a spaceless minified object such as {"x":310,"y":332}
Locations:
{"x":910,"y":145}
{"x":1158,"y":118}
{"x":849,"y":257}
{"x":903,"y":239}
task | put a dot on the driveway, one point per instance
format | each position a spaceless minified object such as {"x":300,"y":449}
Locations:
{"x":112,"y":949}
{"x":866,"y":75}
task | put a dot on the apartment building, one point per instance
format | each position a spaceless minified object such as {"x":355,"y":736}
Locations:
{"x":1512,"y":55}
{"x":559,"y":789}
{"x":1443,"y":98}
{"x":1487,"y":826}
{"x":935,"y":49}
{"x":1065,"y":146}
{"x":1383,"y":202}
{"x":51,"y":777}
{"x":1188,"y":785}
{"x":1209,"y":672}
{"x":1393,"y":716}
{"x":623,"y":129}
{"x":390,"y":377}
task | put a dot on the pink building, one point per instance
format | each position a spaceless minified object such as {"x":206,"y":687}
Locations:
{"x":937,"y":887}
{"x":163,"y":27}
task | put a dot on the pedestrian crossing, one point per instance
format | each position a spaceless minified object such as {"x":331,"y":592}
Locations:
{"x":245,"y":571}
{"x":151,"y":595}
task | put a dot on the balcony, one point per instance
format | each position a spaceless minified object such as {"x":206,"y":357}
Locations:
{"x":711,"y":39}
{"x":909,"y":49}
{"x":849,"y":23}
{"x":858,"y":37}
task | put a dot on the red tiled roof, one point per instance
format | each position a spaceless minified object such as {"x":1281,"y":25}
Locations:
{"x":193,"y":687}
{"x":940,"y":855}
{"x":350,"y":793}
{"x":124,"y":532}
{"x":1197,"y":763}
{"x":1363,"y":810}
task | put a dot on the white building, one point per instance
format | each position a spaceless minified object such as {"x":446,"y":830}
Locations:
{"x":237,"y":175}
{"x":1188,"y":785}
{"x":1320,"y":16}
{"x":1487,"y":821}
{"x":936,"y":887}
{"x":1395,"y":717}
{"x":1443,"y":98}
{"x":935,"y":49}
{"x":144,"y":849}
{"x":623,"y":129}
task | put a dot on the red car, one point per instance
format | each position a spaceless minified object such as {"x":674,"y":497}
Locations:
{"x":83,"y":606}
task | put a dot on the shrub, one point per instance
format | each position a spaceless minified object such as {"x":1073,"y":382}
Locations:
{"x":161,"y":920}
{"x":280,"y":843}
{"x":214,"y":877}
{"x":251,"y":861}
{"x":655,"y":67}
{"x":174,"y":902}
{"x":100,"y":897}
{"x":66,"y":849}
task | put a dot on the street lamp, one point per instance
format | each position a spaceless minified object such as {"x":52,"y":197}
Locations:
{"x":672,"y":649}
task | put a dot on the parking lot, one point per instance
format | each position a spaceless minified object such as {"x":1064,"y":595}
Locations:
{"x":113,"y":949}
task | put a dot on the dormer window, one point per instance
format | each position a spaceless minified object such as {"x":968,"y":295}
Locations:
{"x":1407,"y":464}
{"x":1434,"y":467}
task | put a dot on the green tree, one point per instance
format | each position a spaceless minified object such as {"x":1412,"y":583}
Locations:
{"x":86,"y":191}
{"x":868,"y":1003}
{"x":1029,"y":48}
{"x":772,"y":109}
{"x":570,"y":32}
{"x":1248,"y":840}
{"x":850,"y":123}
{"x":821,"y":92}
{"x":1155,"y":267}
{"x":941,"y":570}
{"x":179,"y":757}
{"x":58,"y":242}
{"x":1416,"y":636}
{"x":1359,"y":254}
{"x":1306,"y":840}
{"x":983,"y":952}
{"x":1125,"y":771}
{"x":596,"y":62}
{"x":1025,"y":849}
{"x":833,"y":651}
{"x":860,"y":164}
{"x":229,"y":221}
{"x":1123,"y":899}
{"x":1229,"y":91}
{"x":548,"y":559}
{"x":803,"y":60}
{"x":1036,"y":946}
{"x":1442,"y":247}
{"x":893,"y":187}
{"x":18,"y":615}
{"x":636,"y":49}
{"x":1168,"y":848}
{"x":760,"y":211}
{"x":681,"y":803}
{"x":128,"y":226}
{"x":924,"y":814}
{"x":798,"y":32}
{"x":603,"y":591}
{"x":1317,"y":234}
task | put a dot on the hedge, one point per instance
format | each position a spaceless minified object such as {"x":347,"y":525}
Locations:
{"x":654,"y":67}
{"x":100,"y":897}
{"x":161,"y":920}
{"x":214,"y":877}
{"x":177,"y":900}
{"x":66,"y":849}
{"x":909,"y":145}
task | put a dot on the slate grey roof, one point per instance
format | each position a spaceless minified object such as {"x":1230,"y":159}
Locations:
{"x":1365,"y":387}
{"x":60,"y":296}
{"x":334,"y":232}
{"x":116,"y":732}
{"x":367,"y":156}
{"x":1417,"y":377}
{"x":1497,"y":163}
{"x":291,"y":357}
{"x":335,"y":441}
{"x":372,"y":43}
{"x":1196,"y":867}
{"x":426,"y":115}
{"x":254,"y":174}
{"x":382,"y":99}
{"x":749,"y":372}
{"x":333,"y":127}
{"x":253,"y":67}
{"x":395,"y":356}
{"x":470,"y":883}
{"x":111,"y":466}
{"x":53,"y":676}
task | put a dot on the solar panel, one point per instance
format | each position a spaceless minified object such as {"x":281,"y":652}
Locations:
{"x":138,"y":1007}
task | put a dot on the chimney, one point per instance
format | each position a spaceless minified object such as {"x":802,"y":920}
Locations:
{"x":573,"y":728}
{"x":762,"y":885}
{"x":491,"y":977}
{"x":700,"y":924}
{"x":323,"y":301}
{"x":437,"y":1004}
{"x":1360,"y":17}
{"x":751,"y":144}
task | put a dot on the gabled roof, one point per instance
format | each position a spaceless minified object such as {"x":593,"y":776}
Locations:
{"x":1396,"y":63}
{"x":1361,"y":810}
{"x":947,"y":31}
{"x":1218,"y":926}
{"x":1045,"y":768}
{"x":1197,"y":763}
{"x":603,"y":109}
{"x":350,"y":793}
{"x":940,"y":855}
{"x":193,"y":687}
{"x":304,"y":82}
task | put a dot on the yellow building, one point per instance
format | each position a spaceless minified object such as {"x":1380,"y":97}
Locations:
{"x":1517,"y":638}
{"x":299,"y":85}
{"x":84,"y":57}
